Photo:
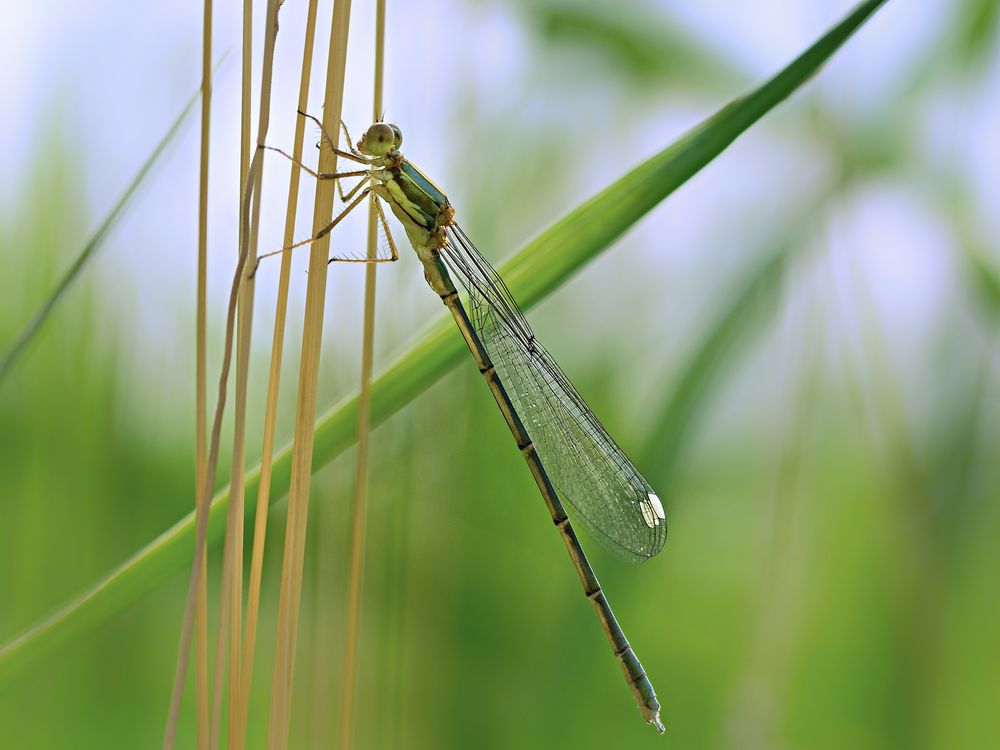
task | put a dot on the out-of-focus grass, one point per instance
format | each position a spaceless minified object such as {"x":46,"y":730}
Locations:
{"x":737,"y":326}
{"x":531,"y":274}
{"x":495,"y":640}
{"x":641,"y":47}
{"x":83,"y":482}
{"x":9,"y":357}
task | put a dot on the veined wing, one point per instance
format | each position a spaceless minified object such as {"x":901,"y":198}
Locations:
{"x":589,"y":471}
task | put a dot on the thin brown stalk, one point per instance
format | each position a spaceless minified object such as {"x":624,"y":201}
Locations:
{"x":221,"y":647}
{"x":273,"y":387}
{"x":355,"y":587}
{"x":244,"y":332}
{"x":227,"y":637}
{"x":201,"y":516}
{"x":301,"y":469}
{"x":201,"y":409}
{"x":237,"y":713}
{"x":236,"y":486}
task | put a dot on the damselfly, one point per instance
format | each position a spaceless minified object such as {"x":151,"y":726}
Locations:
{"x":569,"y":453}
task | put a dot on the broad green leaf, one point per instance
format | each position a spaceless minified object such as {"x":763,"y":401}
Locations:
{"x":532,"y":273}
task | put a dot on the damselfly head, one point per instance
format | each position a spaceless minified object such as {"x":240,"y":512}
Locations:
{"x":381,"y":139}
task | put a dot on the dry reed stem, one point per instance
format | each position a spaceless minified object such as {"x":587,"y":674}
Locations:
{"x":221,"y":645}
{"x":234,"y":528}
{"x":305,"y":413}
{"x":201,"y":516}
{"x":237,"y":722}
{"x":351,"y":655}
{"x":201,"y":409}
{"x":236,"y":487}
{"x":213,"y":454}
{"x":227,"y":637}
{"x":273,"y":387}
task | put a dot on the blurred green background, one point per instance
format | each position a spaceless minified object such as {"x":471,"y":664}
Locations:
{"x":799,"y":350}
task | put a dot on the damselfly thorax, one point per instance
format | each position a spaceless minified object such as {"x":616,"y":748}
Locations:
{"x":421,"y":207}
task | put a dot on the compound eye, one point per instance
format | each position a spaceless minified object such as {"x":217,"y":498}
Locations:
{"x":379,"y":139}
{"x":398,"y":141}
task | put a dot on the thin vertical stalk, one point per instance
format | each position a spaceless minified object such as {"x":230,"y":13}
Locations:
{"x":201,"y":408}
{"x":235,"y":520}
{"x":244,"y":332}
{"x":202,"y":509}
{"x":351,"y":656}
{"x":305,"y":413}
{"x":227,"y":640}
{"x":273,"y":387}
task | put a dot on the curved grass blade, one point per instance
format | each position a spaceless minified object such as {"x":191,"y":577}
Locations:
{"x":531,"y":274}
{"x":96,"y":240}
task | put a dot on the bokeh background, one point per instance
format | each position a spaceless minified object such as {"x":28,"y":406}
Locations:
{"x":799,"y":349}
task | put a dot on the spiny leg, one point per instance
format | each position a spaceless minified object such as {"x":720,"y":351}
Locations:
{"x":358,"y":157}
{"x":326,"y":136}
{"x":385,"y":228}
{"x":388,"y":236}
{"x":350,"y":142}
{"x":354,"y":150}
{"x":318,"y":175}
{"x":328,"y":175}
{"x":319,"y":235}
{"x":350,"y":193}
{"x":340,"y":191}
{"x":394,"y":253}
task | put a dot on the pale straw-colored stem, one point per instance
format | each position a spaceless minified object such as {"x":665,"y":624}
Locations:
{"x":213,"y":453}
{"x":305,"y":412}
{"x":201,"y":515}
{"x":273,"y":387}
{"x":201,"y":409}
{"x":227,"y":633}
{"x":359,"y":511}
{"x":228,"y":638}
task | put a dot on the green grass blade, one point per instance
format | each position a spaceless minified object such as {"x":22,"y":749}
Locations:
{"x":95,"y":242}
{"x":537,"y":269}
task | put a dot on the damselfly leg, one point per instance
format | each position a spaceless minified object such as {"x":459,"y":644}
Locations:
{"x":350,"y":142}
{"x":364,"y":185}
{"x":318,"y":175}
{"x":354,"y":154}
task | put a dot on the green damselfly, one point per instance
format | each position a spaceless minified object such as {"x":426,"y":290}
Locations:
{"x":568,"y":451}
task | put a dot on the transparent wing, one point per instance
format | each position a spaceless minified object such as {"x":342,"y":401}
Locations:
{"x":589,"y":471}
